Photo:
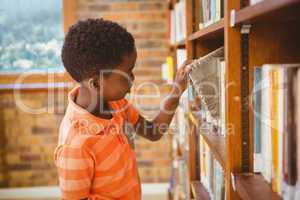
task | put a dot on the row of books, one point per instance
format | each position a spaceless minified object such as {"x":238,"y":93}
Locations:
{"x":207,"y":87}
{"x":177,"y":19}
{"x":206,"y":99}
{"x":211,"y":172}
{"x":208,"y":84}
{"x":210,"y":11}
{"x":168,"y":68}
{"x":276,"y":108}
{"x":180,"y":182}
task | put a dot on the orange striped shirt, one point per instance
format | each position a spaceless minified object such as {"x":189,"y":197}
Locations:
{"x":93,"y":157}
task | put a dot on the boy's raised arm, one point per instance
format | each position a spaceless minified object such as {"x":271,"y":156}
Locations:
{"x":154,"y":130}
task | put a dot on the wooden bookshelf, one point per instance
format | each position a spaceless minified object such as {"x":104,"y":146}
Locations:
{"x":215,"y":30}
{"x":273,"y":38}
{"x":253,"y":186}
{"x":269,"y":10}
{"x":178,"y":45}
{"x":198,"y":191}
{"x":216,"y":144}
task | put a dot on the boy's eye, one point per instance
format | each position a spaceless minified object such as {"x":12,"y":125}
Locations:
{"x":132,"y":75}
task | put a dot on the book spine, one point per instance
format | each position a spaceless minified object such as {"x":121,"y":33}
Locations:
{"x":170,"y":69}
{"x":213,"y":10}
{"x":218,"y":10}
{"x":280,"y":131}
{"x":290,"y":154}
{"x":222,"y":8}
{"x":223,"y":97}
{"x":177,"y":22}
{"x":205,"y":12}
{"x":297,"y":100}
{"x":211,"y":174}
{"x":274,"y":103}
{"x":265,"y":125}
{"x":184,"y":27}
{"x":181,"y":57}
{"x":173,"y":27}
{"x":257,"y":109}
{"x":257,"y":119}
{"x":201,"y":14}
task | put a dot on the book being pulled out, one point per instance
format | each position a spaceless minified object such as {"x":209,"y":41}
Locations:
{"x":207,"y":76}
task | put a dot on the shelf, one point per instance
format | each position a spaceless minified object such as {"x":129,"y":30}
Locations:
{"x":199,"y":192}
{"x":212,"y":31}
{"x":217,"y":146}
{"x":253,"y":186}
{"x":215,"y":142}
{"x":269,"y":10}
{"x":178,"y":45}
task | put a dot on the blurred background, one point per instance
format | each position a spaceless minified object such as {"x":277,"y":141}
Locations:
{"x":34,"y":87}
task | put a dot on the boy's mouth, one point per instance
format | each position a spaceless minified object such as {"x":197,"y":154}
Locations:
{"x":129,"y":89}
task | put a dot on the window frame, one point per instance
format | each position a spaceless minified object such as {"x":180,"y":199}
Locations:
{"x":69,"y":17}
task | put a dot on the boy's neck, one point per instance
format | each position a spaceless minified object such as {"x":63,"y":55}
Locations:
{"x":84,"y":99}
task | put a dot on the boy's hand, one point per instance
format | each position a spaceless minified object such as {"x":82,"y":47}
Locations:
{"x":181,"y":77}
{"x":153,"y":130}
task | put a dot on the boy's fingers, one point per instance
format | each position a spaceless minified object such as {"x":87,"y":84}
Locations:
{"x":187,"y":62}
{"x":186,"y":66}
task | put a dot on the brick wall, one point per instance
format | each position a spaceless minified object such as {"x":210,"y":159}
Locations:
{"x":27,"y":140}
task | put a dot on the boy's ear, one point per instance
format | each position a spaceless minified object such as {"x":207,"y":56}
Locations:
{"x":93,"y":83}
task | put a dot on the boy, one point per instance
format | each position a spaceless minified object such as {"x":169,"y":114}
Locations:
{"x":93,"y":156}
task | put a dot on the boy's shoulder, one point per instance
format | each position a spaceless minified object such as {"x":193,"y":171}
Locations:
{"x":75,"y":133}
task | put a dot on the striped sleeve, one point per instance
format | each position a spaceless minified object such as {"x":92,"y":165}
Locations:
{"x":75,"y":170}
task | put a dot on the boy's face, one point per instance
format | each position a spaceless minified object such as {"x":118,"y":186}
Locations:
{"x":118,"y":83}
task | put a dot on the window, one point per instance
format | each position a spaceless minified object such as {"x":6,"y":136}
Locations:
{"x":31,"y":35}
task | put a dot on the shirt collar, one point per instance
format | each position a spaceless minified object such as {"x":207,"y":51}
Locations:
{"x":86,"y":121}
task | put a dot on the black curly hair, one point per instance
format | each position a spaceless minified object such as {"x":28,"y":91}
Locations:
{"x":95,"y":44}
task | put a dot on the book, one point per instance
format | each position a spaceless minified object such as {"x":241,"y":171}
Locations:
{"x":181,"y":57}
{"x":266,"y":124}
{"x":184,"y":179}
{"x":280,"y":130}
{"x":212,"y":174}
{"x":210,"y":11}
{"x":297,"y":100}
{"x":201,"y":14}
{"x":257,"y":114}
{"x":278,"y":126}
{"x":274,"y":114}
{"x":167,"y":68}
{"x":206,"y":76}
{"x":180,"y":183}
{"x":222,"y":94}
{"x":182,"y":112}
{"x":180,"y":21}
{"x":290,"y":136}
{"x":172,"y":27}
